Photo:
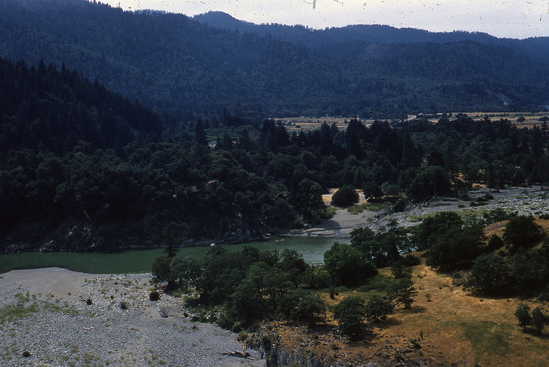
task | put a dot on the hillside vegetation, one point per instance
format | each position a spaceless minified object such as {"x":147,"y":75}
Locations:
{"x":86,"y":169}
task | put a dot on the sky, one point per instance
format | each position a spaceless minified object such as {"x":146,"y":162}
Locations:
{"x":513,"y":19}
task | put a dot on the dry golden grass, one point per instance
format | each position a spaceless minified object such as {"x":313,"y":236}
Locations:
{"x":457,"y":327}
{"x":312,"y":123}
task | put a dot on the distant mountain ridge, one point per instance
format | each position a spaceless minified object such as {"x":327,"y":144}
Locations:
{"x":176,"y":65}
{"x":537,"y":47}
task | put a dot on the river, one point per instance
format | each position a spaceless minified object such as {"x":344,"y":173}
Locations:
{"x":139,"y":261}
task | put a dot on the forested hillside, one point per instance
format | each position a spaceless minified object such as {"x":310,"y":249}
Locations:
{"x":174,"y":64}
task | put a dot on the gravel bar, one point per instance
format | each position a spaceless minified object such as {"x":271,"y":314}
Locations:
{"x":47,"y":321}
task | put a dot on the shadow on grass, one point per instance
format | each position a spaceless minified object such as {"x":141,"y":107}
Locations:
{"x":413,"y":310}
{"x":532,"y":333}
{"x":386,"y":324}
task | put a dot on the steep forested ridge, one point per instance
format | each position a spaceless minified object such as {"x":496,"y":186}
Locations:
{"x":172,"y":63}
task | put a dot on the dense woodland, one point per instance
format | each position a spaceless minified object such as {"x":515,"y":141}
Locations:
{"x":76,"y":156}
{"x":174,"y":64}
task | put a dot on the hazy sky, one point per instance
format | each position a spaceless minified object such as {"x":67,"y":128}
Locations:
{"x":516,"y":19}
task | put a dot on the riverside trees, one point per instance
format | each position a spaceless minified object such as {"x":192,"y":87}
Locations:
{"x":73,"y":151}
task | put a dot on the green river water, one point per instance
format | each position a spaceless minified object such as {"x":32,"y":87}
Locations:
{"x":139,"y":261}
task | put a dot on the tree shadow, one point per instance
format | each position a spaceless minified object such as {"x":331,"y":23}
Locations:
{"x":387,"y":323}
{"x":413,"y":310}
{"x":531,"y":333}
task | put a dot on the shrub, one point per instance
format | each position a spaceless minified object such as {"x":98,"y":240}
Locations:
{"x":486,"y":197}
{"x":349,"y":314}
{"x":378,"y":308}
{"x":521,"y":231}
{"x":346,"y":265}
{"x":123,"y":305}
{"x":397,"y":269}
{"x":494,"y":243}
{"x":242,"y":336}
{"x":310,"y":308}
{"x":491,"y":275}
{"x":522,"y":313}
{"x":345,"y":196}
{"x":154,"y":296}
{"x":237,"y":328}
{"x":287,"y":304}
{"x":89,"y":302}
{"x":26,"y":354}
{"x":399,"y":206}
{"x":538,"y":320}
{"x":371,"y":190}
{"x":411,"y":260}
{"x":403,"y":292}
{"x":457,"y":248}
{"x":161,"y":269}
{"x":496,"y":215}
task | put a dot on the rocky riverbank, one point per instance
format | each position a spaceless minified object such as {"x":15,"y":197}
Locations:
{"x":531,"y":200}
{"x":56,"y":317}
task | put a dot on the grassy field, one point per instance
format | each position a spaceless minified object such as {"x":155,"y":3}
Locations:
{"x":313,"y":123}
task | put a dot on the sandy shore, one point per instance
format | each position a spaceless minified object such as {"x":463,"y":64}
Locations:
{"x":44,"y":312}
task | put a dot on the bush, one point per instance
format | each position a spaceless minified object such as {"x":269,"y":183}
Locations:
{"x":242,"y":336}
{"x":496,"y":215}
{"x":403,"y":292}
{"x":494,"y":243}
{"x":89,"y":302}
{"x":123,"y":305}
{"x":371,"y":190}
{"x":491,"y":275}
{"x":538,"y":320}
{"x":287,"y":304}
{"x":522,"y":313}
{"x":310,"y":308}
{"x":378,"y":308}
{"x":154,"y":296}
{"x":346,"y":265}
{"x":521,"y":231}
{"x":411,"y":260}
{"x":161,"y":269}
{"x":345,"y":196}
{"x":457,"y":248}
{"x":350,"y":313}
{"x":399,"y":206}
{"x":486,"y":197}
{"x":26,"y":354}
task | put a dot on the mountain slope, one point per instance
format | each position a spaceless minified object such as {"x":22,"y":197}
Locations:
{"x":177,"y":65}
{"x":536,"y":48}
